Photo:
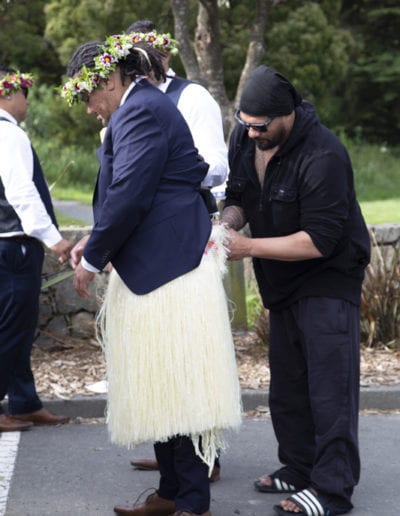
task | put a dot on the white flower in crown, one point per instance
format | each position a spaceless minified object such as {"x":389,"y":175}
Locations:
{"x":115,"y":48}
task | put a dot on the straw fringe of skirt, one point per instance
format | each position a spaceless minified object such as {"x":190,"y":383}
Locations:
{"x":170,"y":359}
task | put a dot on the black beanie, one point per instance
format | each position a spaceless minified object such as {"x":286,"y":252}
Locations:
{"x":268,"y":93}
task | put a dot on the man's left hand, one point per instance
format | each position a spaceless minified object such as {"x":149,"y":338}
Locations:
{"x":238,"y":245}
{"x":82,"y":279}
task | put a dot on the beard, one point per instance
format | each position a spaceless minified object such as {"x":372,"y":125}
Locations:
{"x":276,"y":140}
{"x":266,"y":144}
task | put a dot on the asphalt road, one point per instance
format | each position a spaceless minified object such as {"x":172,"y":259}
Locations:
{"x":75,"y":210}
{"x":73,"y":470}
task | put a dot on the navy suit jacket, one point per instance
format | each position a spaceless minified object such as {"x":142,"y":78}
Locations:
{"x":150,"y":221}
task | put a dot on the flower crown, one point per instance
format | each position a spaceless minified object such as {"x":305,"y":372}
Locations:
{"x":14,"y":81}
{"x":115,"y":48}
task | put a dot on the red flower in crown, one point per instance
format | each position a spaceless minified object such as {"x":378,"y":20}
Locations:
{"x":166,"y":42}
{"x":8,"y":85}
{"x":26,"y":83}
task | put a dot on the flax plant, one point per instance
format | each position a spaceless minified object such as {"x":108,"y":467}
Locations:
{"x":380,"y":300}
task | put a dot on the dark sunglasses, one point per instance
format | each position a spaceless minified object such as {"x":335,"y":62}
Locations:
{"x":260,"y":127}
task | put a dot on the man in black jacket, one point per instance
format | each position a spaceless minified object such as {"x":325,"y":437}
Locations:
{"x":291,"y":180}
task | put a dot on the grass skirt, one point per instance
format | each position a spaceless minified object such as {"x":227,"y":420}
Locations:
{"x":170,"y":360}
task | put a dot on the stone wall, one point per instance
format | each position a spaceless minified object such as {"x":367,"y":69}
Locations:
{"x":65,"y":316}
{"x":385,"y":241}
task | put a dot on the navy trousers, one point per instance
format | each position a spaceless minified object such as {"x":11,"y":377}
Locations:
{"x":314,"y":393}
{"x":184,"y":476}
{"x":21,"y":261}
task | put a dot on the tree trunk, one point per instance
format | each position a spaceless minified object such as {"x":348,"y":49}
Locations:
{"x":209,"y":55}
{"x":180,"y":9}
{"x":204,"y":64}
{"x":256,"y":48}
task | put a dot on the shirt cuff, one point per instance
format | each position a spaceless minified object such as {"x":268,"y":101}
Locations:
{"x":86,"y":265}
{"x":50,"y":237}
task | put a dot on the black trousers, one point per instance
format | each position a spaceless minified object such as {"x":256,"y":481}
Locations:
{"x":314,"y":392}
{"x":21,"y":261}
{"x":184,"y":476}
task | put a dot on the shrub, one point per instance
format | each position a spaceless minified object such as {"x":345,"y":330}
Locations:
{"x":261,"y":326}
{"x":77,"y":166}
{"x":380,"y":301}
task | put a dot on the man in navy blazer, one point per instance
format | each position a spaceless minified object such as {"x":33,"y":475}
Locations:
{"x":151,"y":223}
{"x":149,"y":220}
{"x":151,"y":226}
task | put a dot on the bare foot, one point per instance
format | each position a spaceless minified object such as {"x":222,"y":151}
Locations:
{"x":292,"y":507}
{"x":289,"y":506}
{"x":265,"y":480}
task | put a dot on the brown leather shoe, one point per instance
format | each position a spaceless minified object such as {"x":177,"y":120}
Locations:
{"x":145,"y":464}
{"x":7,"y":424}
{"x":153,"y":506}
{"x":152,"y":465}
{"x":41,"y":417}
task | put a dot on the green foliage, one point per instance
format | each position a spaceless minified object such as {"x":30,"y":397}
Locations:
{"x":235,"y":32}
{"x":81,"y":165}
{"x":51,"y":120}
{"x":372,"y":95}
{"x":344,"y":55}
{"x":376,"y":170}
{"x":63,"y":137}
{"x":312,"y":51}
{"x":253,"y":304}
{"x":22,"y":44}
{"x":95,"y":19}
{"x":381,"y":212}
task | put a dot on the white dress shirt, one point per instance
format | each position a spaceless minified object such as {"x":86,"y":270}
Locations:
{"x":16,"y":173}
{"x":203,"y":116}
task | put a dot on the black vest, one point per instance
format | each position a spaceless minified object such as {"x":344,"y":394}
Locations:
{"x":9,"y":220}
{"x":175,"y":88}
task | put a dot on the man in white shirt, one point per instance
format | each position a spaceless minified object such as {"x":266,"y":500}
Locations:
{"x":27,"y":222}
{"x":203,"y":116}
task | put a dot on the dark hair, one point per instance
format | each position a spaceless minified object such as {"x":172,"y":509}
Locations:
{"x":142,"y":26}
{"x":143,"y":59}
{"x":83,"y":55}
{"x":4,"y":70}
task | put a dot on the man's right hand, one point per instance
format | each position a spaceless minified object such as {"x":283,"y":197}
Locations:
{"x":62,"y":249}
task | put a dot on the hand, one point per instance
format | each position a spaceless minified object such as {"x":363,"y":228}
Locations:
{"x":82,"y":278}
{"x":77,"y":251}
{"x":238,"y":245}
{"x":62,"y":248}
